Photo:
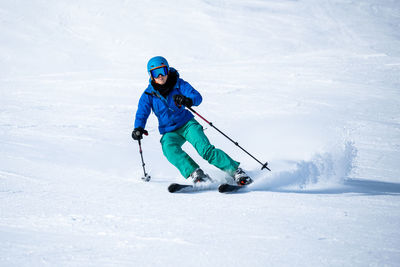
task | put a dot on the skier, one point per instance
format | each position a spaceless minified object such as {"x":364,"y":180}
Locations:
{"x":168,"y":95}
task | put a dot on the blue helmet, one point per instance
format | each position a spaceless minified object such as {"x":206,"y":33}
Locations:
{"x":156,"y":66}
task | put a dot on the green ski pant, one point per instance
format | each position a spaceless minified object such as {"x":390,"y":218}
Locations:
{"x":192,"y":132}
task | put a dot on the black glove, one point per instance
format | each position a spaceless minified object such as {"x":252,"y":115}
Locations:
{"x":137,"y":133}
{"x":182,"y":100}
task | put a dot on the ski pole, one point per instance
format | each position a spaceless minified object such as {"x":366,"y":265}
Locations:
{"x":146,"y":177}
{"x":264,"y":166}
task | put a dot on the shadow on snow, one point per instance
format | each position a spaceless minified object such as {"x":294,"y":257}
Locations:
{"x":358,"y":186}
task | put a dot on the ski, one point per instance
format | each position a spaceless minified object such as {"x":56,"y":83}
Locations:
{"x":186,"y":188}
{"x":210,"y":185}
{"x":227,"y":188}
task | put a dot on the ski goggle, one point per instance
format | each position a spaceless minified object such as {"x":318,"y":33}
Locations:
{"x":163,"y":70}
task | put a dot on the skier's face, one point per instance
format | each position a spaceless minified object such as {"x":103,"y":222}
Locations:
{"x":161,"y":79}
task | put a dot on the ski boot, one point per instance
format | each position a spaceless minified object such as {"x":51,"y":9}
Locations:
{"x":198,"y":176}
{"x":241,"y":178}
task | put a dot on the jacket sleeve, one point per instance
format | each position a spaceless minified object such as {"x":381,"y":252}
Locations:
{"x":187,"y":90}
{"x":143,"y":111}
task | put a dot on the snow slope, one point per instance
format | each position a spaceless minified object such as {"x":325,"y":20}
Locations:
{"x":310,"y":86}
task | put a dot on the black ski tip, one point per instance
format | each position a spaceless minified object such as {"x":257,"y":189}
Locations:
{"x":226,"y":188}
{"x":174,"y":187}
{"x":222,"y":188}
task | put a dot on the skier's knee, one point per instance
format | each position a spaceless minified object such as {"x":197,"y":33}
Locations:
{"x":207,"y":151}
{"x":171,"y":149}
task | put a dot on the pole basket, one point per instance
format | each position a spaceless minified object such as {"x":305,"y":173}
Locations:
{"x":265,"y":166}
{"x":146,"y":178}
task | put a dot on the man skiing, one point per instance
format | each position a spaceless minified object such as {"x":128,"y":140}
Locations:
{"x":168,"y":95}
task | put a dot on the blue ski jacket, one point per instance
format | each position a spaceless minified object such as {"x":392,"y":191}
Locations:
{"x":170,"y":117}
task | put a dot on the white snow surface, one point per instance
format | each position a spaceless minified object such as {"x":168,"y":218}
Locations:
{"x":312,"y":87}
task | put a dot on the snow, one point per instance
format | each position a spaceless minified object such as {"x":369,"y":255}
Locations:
{"x":310,"y":86}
